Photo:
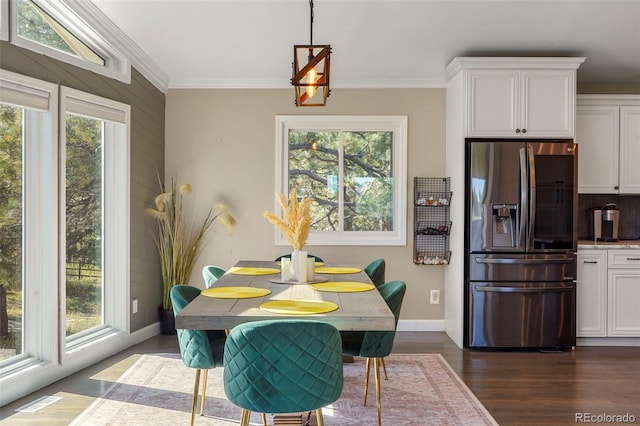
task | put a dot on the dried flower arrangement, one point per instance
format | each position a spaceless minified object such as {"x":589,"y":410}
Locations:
{"x":179,"y":240}
{"x":297,"y":223}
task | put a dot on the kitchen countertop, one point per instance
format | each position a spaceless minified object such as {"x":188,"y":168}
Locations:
{"x":621,"y":244}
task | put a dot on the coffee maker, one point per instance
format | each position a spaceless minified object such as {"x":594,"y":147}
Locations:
{"x":605,"y":223}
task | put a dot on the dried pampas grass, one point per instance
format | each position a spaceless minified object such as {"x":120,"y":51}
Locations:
{"x":297,"y":223}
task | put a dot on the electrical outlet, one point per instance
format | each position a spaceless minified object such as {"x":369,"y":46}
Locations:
{"x":134,"y":306}
{"x":435,"y":297}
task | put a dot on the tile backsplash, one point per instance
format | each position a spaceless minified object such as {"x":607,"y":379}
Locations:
{"x":629,"y":206}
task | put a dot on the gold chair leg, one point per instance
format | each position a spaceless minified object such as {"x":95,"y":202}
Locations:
{"x":264,"y":419}
{"x":376,"y":362}
{"x":204,"y":391}
{"x":319,"y":417}
{"x":366,"y":380}
{"x":244,"y":417}
{"x":195,"y":397}
{"x":384,"y":367}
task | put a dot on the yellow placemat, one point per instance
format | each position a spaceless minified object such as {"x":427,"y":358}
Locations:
{"x":337,"y":270}
{"x":235,"y":292}
{"x":299,"y":307}
{"x":343,"y":286}
{"x":250,"y":270}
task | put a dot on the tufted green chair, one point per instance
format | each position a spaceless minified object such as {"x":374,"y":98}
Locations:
{"x":277,"y":259}
{"x":199,"y":349}
{"x":211,"y":273}
{"x":375,"y":345}
{"x":375,"y":271}
{"x":283,"y":366}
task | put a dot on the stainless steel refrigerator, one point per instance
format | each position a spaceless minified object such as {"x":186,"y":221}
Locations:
{"x":520,"y":243}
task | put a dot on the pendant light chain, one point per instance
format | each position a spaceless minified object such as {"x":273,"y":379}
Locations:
{"x":311,"y":22}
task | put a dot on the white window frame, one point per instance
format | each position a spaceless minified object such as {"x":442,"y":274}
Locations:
{"x":48,"y":356}
{"x":4,"y":20}
{"x":40,"y":174}
{"x":116,"y":66}
{"x":395,"y":124}
{"x":115,"y":250}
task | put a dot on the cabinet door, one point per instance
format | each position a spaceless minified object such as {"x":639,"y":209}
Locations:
{"x":548,"y":103}
{"x":591,"y":294}
{"x":493,"y":103}
{"x":630,"y":150}
{"x":597,"y":135}
{"x":623,"y":301}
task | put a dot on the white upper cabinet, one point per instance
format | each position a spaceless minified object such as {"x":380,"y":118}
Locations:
{"x":527,"y":103}
{"x":608,"y":138}
{"x":630,"y":149}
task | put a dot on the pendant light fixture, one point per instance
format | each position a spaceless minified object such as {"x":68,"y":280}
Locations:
{"x":311,"y":71}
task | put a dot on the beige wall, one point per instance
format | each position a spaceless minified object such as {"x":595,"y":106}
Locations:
{"x":222,"y":142}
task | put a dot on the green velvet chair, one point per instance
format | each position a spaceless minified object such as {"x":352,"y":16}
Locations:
{"x":211,"y":273}
{"x":199,"y":349}
{"x":375,"y":345}
{"x":375,"y":271}
{"x":288,"y":256}
{"x":283,"y":366}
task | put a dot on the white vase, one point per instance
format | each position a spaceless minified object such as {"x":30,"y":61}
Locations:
{"x":298,"y":266}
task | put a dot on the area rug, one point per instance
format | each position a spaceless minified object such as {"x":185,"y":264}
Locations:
{"x":422,"y":389}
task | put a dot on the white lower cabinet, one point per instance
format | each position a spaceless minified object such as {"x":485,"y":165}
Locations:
{"x":591,"y":294}
{"x":623,"y":293}
{"x":608,"y":293}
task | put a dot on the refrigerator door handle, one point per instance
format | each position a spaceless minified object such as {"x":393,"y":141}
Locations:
{"x":523,"y":289}
{"x":493,"y":260}
{"x":532,"y":197}
{"x":524,"y":203}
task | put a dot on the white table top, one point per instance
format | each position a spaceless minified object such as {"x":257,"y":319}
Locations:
{"x":357,"y":311}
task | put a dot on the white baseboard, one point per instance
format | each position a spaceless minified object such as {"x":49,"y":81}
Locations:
{"x":608,"y":341}
{"x":421,"y":325}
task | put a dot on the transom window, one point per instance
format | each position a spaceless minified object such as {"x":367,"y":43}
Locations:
{"x":57,"y":29}
{"x":354,"y":168}
{"x":37,"y":25}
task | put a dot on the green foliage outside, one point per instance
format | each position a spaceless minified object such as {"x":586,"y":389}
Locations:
{"x":368,"y":176}
{"x":83,"y":152}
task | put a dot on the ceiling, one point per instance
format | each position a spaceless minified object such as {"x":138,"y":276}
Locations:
{"x":375,"y":43}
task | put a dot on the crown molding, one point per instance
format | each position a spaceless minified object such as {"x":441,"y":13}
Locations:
{"x":94,"y":17}
{"x":213,"y":83}
{"x":506,"y":62}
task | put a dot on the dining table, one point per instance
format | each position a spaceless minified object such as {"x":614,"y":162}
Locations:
{"x":252,"y":290}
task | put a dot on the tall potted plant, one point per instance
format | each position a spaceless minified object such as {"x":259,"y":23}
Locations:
{"x":180,"y":240}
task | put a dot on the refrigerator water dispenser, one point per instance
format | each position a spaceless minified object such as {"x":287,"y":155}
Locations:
{"x":504,"y":225}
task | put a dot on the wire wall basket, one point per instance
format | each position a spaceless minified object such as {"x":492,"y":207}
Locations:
{"x":432,"y":226}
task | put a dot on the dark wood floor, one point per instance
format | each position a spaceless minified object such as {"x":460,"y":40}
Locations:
{"x":518,"y":388}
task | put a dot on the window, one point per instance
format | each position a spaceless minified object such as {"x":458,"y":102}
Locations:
{"x":96,"y":150}
{"x":60,"y":230}
{"x":354,"y":167}
{"x":28,"y":180}
{"x":54,"y":29}
{"x":38,"y":26}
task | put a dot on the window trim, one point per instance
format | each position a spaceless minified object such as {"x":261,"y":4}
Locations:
{"x":116,"y":66}
{"x":116,"y":160}
{"x":45,"y":358}
{"x":40,"y":266}
{"x":395,"y":124}
{"x":4,"y":20}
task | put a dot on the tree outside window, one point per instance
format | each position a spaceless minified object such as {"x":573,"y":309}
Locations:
{"x":354,"y":169}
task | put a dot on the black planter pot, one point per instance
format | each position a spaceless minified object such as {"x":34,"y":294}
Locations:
{"x":167,"y":321}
